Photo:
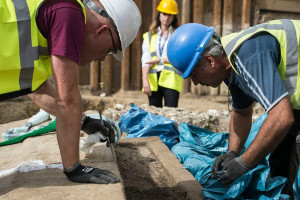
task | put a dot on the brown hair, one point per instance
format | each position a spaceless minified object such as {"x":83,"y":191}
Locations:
{"x":156,"y":23}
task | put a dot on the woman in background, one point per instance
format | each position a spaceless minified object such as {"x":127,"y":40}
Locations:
{"x":160,"y":78}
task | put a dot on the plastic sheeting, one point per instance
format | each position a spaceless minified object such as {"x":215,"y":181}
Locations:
{"x":31,"y":165}
{"x":51,"y":126}
{"x":136,"y":122}
{"x":197,"y":151}
{"x":296,"y":185}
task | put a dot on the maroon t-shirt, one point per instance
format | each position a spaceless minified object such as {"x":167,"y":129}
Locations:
{"x":62,"y":24}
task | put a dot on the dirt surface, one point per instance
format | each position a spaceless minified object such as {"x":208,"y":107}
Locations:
{"x":22,"y":107}
{"x":143,"y":176}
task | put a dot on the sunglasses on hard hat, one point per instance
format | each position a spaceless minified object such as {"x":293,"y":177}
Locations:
{"x":92,"y":6}
{"x":114,"y":50}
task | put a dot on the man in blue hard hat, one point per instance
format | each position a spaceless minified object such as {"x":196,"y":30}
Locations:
{"x":258,"y":64}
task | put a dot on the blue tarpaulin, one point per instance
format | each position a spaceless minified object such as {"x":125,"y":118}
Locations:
{"x":136,"y":122}
{"x":197,"y":150}
{"x":296,"y":185}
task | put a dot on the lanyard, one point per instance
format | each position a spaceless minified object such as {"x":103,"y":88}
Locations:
{"x":161,"y":47}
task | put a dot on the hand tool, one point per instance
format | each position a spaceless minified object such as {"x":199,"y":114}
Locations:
{"x":107,"y":138}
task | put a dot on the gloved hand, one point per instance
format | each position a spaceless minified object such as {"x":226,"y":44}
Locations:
{"x":92,"y":126}
{"x":86,"y":174}
{"x":298,"y":145}
{"x":233,"y":169}
{"x":220,"y":161}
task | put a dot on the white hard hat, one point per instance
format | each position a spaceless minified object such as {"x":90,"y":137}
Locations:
{"x":127,"y":19}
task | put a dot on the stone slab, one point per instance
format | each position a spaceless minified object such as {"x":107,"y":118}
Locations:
{"x":51,"y":183}
{"x":181,"y":177}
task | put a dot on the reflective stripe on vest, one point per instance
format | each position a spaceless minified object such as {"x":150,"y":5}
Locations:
{"x":169,"y":76}
{"x":24,"y":59}
{"x":28,"y":53}
{"x":154,"y":71}
{"x":287,"y":33}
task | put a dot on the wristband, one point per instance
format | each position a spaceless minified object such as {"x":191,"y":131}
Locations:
{"x":78,"y":170}
{"x":69,"y":169}
{"x":232,"y":153}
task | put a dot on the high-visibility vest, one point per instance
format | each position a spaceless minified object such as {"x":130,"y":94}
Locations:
{"x":169,"y":76}
{"x":287,"y":32}
{"x":24,"y":58}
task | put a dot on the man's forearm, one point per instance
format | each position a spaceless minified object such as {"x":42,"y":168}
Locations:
{"x":68,"y":109}
{"x":240,"y":126}
{"x":279,"y":120}
{"x":68,"y":124}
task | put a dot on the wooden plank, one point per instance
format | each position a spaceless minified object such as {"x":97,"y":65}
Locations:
{"x":84,"y":74}
{"x":246,"y":14}
{"x":94,"y":75}
{"x":106,"y":74}
{"x":186,"y":11}
{"x":154,"y":11}
{"x":198,"y":11}
{"x":279,"y":5}
{"x":217,"y":16}
{"x":217,"y":23}
{"x":227,"y":17}
{"x":125,"y":70}
{"x":198,"y":17}
{"x":185,"y":18}
{"x":136,"y":54}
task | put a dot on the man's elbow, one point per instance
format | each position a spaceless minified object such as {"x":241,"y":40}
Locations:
{"x":287,"y":119}
{"x":69,"y":103}
{"x":290,"y":120}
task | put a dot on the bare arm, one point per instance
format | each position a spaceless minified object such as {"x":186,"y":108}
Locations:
{"x":280,"y":119}
{"x":68,"y":108}
{"x":44,"y":97}
{"x":240,"y":126}
{"x":146,"y":85}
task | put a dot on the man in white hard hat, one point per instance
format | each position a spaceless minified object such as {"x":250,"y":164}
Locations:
{"x":43,"y":38}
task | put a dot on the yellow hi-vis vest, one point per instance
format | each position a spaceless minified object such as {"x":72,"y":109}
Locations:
{"x":169,"y":76}
{"x":24,"y":58}
{"x":287,"y":32}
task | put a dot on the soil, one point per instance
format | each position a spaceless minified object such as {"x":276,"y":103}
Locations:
{"x":143,"y":176}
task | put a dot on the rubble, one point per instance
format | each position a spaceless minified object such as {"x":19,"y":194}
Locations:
{"x":212,"y":120}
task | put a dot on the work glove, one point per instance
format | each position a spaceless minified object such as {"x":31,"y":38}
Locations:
{"x":220,"y":161}
{"x":86,"y":174}
{"x":233,"y":169}
{"x":92,"y":126}
{"x":298,"y":145}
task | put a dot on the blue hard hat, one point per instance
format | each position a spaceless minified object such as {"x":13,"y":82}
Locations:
{"x":186,"y":45}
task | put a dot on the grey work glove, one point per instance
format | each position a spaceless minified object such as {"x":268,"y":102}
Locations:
{"x":233,"y":169}
{"x":298,"y":145}
{"x":86,"y":174}
{"x":92,"y":126}
{"x":220,"y":161}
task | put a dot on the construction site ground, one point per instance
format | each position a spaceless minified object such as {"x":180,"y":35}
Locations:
{"x":148,"y":169}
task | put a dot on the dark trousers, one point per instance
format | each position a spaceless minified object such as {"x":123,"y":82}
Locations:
{"x":283,"y":159}
{"x":170,"y":96}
